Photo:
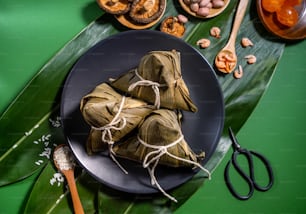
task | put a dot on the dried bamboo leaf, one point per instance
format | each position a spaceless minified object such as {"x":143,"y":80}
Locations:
{"x":112,"y":114}
{"x":160,"y":69}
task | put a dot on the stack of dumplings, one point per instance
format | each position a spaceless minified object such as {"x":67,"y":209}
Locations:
{"x":137,"y":116}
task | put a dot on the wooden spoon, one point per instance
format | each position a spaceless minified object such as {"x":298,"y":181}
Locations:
{"x":226,"y":59}
{"x":63,"y":161}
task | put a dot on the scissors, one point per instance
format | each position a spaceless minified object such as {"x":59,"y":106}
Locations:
{"x":248,"y":177}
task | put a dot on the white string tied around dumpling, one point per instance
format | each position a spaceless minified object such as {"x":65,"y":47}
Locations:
{"x":156,"y":154}
{"x":143,"y":82}
{"x":107,"y":132}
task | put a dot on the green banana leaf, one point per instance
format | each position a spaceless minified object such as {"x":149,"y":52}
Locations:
{"x":29,"y":126}
{"x":38,"y":106}
{"x":58,"y":201}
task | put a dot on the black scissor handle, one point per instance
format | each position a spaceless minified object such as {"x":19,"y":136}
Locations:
{"x":269,"y":171}
{"x":250,"y":177}
{"x":245,"y":176}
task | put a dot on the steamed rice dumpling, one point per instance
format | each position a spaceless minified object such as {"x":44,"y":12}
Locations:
{"x":160,"y":141}
{"x":94,"y":142}
{"x":157,"y":80}
{"x":110,"y":115}
{"x":159,"y":138}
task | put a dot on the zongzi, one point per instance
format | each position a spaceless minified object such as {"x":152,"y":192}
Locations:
{"x":160,"y":141}
{"x":159,"y":135}
{"x":157,"y":80}
{"x":110,"y":115}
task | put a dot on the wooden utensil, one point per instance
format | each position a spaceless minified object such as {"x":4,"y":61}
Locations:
{"x":63,"y":161}
{"x":226,"y":59}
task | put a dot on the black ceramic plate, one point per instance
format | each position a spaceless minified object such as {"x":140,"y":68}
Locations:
{"x":116,"y":55}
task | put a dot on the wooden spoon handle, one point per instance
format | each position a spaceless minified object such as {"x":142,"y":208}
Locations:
{"x":77,"y":205}
{"x":237,"y":21}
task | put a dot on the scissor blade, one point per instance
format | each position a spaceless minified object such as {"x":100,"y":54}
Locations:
{"x":235,"y":143}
